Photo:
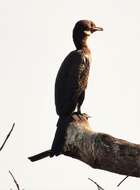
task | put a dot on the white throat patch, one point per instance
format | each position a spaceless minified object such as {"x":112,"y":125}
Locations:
{"x":87,"y":32}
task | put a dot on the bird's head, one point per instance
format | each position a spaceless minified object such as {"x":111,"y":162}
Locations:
{"x":82,"y":30}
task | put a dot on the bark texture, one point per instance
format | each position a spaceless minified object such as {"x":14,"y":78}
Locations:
{"x":101,"y":150}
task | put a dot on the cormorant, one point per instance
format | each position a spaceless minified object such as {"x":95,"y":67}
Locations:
{"x":70,"y":85}
{"x":71,"y":81}
{"x":72,"y":77}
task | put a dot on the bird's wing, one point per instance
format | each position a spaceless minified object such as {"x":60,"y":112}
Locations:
{"x":67,"y":86}
{"x":76,"y":63}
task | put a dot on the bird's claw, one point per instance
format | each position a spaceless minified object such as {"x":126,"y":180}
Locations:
{"x":77,"y":114}
{"x":86,"y":115}
{"x":81,"y":115}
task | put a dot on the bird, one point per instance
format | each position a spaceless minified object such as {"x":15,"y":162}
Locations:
{"x":72,"y":79}
{"x":70,"y":84}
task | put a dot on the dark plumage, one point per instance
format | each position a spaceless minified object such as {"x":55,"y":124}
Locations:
{"x":71,"y":83}
{"x":71,"y":80}
{"x":72,"y":77}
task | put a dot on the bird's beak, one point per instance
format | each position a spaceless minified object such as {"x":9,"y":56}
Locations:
{"x":89,"y":32}
{"x":96,"y":29}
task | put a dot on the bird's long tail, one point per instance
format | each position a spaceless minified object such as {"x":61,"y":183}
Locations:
{"x":60,"y":134}
{"x":58,"y":141}
{"x":40,"y":156}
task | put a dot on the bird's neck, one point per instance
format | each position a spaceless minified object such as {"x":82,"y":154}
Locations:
{"x":81,"y":44}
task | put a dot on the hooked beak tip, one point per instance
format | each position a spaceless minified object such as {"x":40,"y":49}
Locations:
{"x":97,"y":29}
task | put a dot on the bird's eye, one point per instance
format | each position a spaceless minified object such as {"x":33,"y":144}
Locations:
{"x":87,"y":28}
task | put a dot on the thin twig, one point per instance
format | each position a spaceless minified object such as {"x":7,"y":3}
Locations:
{"x":98,"y":186}
{"x":7,"y":137}
{"x":122,"y":180}
{"x":14,"y":180}
{"x":127,"y":176}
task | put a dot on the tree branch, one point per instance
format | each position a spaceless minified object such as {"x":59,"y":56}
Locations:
{"x":100,"y":150}
{"x":98,"y":186}
{"x":7,"y":137}
{"x":122,"y":181}
{"x":17,"y":185}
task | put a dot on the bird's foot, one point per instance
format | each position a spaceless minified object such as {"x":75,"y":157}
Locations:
{"x":86,"y":115}
{"x":81,"y":115}
{"x":78,"y":114}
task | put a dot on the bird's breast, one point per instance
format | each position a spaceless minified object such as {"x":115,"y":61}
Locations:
{"x":84,"y":73}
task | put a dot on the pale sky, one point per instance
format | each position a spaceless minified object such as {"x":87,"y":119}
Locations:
{"x":35,"y":37}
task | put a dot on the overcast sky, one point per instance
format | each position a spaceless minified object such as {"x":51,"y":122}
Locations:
{"x":35,"y":37}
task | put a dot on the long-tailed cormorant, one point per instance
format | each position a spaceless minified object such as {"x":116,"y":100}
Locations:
{"x":72,"y":77}
{"x":71,"y":80}
{"x":70,"y":85}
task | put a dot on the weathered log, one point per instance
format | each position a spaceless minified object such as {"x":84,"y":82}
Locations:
{"x":100,"y":150}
